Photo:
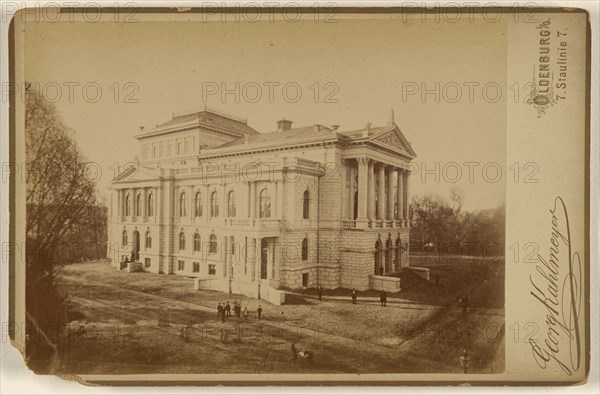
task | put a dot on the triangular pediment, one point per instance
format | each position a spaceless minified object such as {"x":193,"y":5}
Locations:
{"x":134,"y":172}
{"x":393,"y":137}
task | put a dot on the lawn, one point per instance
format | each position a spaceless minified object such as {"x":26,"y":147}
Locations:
{"x":114,"y":328}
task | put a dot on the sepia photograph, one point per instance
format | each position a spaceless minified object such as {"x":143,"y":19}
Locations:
{"x":297,"y":191}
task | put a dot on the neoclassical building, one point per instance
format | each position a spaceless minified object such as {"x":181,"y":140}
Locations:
{"x":212,"y":198}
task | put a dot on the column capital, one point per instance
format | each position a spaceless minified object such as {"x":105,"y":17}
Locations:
{"x":363,"y":161}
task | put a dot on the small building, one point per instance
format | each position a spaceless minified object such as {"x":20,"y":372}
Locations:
{"x":212,"y":198}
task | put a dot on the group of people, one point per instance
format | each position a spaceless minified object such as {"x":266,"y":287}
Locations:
{"x":224,"y":310}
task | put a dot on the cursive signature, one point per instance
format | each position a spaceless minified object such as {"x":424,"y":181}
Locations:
{"x":558,"y":288}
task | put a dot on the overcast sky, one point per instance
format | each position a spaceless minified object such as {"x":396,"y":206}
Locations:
{"x":369,"y":63}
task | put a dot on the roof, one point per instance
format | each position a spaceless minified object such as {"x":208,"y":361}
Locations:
{"x":296,"y":135}
{"x":207,"y":118}
{"x":359,"y":133}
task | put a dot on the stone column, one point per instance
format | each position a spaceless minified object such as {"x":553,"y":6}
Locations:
{"x":371,"y":191}
{"x":279,"y":199}
{"x":390,"y":193}
{"x":400,"y":195}
{"x":257,"y":258}
{"x":351,"y":190}
{"x":252,"y":258}
{"x":225,"y":257}
{"x":381,"y":195}
{"x":276,"y":201}
{"x":252,"y":199}
{"x":363,"y":174}
{"x":405,"y":197}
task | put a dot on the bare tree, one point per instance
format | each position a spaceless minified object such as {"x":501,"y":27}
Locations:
{"x":58,"y":193}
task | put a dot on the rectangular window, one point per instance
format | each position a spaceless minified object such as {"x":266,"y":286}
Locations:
{"x":147,"y":262}
{"x":196,"y":267}
{"x":212,"y":270}
{"x":305,"y":279}
{"x":180,"y":265}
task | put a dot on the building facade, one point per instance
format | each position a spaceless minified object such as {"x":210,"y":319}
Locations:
{"x":212,"y":198}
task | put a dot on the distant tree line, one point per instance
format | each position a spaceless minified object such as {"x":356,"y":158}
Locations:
{"x":441,"y":226}
{"x":63,"y":219}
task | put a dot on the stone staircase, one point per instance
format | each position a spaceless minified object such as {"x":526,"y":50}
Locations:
{"x":408,"y":278}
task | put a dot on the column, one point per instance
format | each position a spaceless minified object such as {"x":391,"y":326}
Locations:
{"x":390,"y":193}
{"x":276,"y":202}
{"x":252,"y":199}
{"x":280,"y":199}
{"x":253,"y":254}
{"x":381,"y":195}
{"x":257,"y":258}
{"x":351,"y":190}
{"x":144,"y":203}
{"x":363,"y":174}
{"x":371,"y":191}
{"x":405,"y":196}
{"x":269,"y":263}
{"x":400,"y":195}
{"x":119,"y":203}
{"x":225,"y":257}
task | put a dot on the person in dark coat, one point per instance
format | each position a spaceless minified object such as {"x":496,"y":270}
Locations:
{"x":219,"y":310}
{"x":353,"y":296}
{"x":320,"y":292}
{"x":237,"y":309}
{"x":259,"y":312}
{"x":381,"y":270}
{"x":228,"y":309}
{"x":383,"y":299}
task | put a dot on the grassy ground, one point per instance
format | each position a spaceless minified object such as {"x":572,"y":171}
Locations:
{"x":114,"y":329}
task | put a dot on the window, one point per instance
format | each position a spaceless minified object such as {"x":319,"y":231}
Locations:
{"x":196,"y":267}
{"x":198,"y":205}
{"x":305,"y":249}
{"x":212,"y":247}
{"x":231,"y":204}
{"x":124,"y":240}
{"x":180,"y":265}
{"x":148,"y":240}
{"x":306,"y":205}
{"x":197,"y":244}
{"x":182,"y":204}
{"x":138,"y":205}
{"x":150,"y":205}
{"x":265,"y":204}
{"x":214,"y":205}
{"x":212,"y":270}
{"x":147,"y":262}
{"x":182,"y":241}
{"x":127,"y":206}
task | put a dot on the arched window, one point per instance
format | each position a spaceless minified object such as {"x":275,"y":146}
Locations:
{"x":127,"y":205}
{"x":138,"y":205}
{"x":398,"y":256}
{"x":305,"y":249}
{"x":198,"y":205}
{"x":212,"y":247}
{"x":182,"y":241}
{"x":150,"y":205}
{"x":197,"y":244}
{"x":265,"y":204}
{"x":306,"y":205}
{"x":214,"y":205}
{"x":148,"y":239}
{"x":124,"y":240}
{"x":182,"y":204}
{"x":231,"y":204}
{"x":378,"y":252}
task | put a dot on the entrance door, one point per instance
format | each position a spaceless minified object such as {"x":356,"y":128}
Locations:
{"x":264,"y":258}
{"x":388,"y":255}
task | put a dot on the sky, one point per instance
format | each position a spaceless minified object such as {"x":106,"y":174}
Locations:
{"x":349,"y":73}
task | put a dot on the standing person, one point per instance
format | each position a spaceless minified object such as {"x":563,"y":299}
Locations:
{"x":353,"y":296}
{"x":246,"y":312}
{"x":228,"y":309}
{"x":381,"y":270}
{"x":237,"y":309}
{"x":383,"y":299}
{"x":219,"y":310}
{"x":259,"y":312}
{"x":320,"y":291}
